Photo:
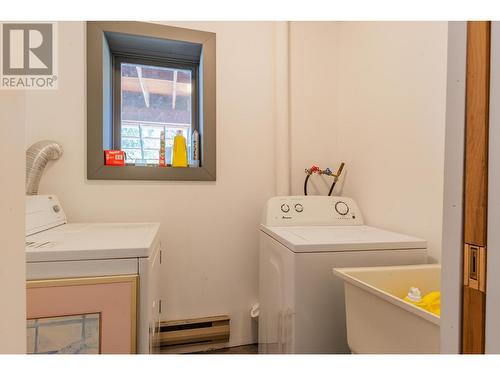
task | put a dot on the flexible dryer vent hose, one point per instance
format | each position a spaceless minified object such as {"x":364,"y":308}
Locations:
{"x":37,"y":157}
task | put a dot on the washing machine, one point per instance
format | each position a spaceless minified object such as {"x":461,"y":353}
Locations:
{"x":302,"y":238}
{"x":91,"y":287}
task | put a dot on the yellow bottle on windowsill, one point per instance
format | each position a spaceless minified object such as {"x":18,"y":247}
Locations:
{"x":179,"y":151}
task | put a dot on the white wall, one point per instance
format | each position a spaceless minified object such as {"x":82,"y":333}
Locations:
{"x":492,"y":328}
{"x":314,"y":100}
{"x":12,"y":264}
{"x":385,"y":117}
{"x":210,"y":229}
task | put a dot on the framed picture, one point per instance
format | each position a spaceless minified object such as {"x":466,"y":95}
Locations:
{"x":91,"y":315}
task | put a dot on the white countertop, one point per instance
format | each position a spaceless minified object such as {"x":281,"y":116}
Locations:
{"x":86,"y":241}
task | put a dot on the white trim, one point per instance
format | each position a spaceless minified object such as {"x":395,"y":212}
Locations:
{"x":451,"y":258}
{"x":282,"y":108}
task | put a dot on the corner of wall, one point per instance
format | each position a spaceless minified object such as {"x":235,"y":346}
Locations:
{"x":12,"y":200}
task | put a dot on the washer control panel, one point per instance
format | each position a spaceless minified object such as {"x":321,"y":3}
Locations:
{"x":342,"y":208}
{"x":311,"y":210}
{"x":285,"y":208}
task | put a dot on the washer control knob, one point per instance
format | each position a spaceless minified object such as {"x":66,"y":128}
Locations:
{"x":285,"y":207}
{"x":299,"y":207}
{"x":342,"y":208}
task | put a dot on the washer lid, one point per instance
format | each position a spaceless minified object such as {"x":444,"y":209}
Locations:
{"x":92,"y":241}
{"x":341,"y":238}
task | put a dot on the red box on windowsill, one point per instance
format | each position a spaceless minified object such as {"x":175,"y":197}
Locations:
{"x":114,"y":157}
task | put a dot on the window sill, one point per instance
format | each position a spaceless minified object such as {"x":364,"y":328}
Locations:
{"x":132,"y":172}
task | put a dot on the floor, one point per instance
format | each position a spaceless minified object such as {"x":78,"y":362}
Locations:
{"x":243,"y":349}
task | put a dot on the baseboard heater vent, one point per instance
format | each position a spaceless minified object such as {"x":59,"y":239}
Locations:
{"x":193,"y":335}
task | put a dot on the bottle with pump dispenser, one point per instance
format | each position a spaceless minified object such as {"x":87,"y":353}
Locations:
{"x":179,"y":151}
{"x":195,"y":149}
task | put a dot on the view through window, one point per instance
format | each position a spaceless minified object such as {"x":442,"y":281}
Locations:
{"x":154,"y":99}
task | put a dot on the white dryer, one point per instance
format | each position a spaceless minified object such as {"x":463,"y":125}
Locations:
{"x":301,"y":239}
{"x":57,"y":251}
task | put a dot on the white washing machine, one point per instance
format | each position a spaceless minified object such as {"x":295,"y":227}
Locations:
{"x":57,"y":250}
{"x":301,"y":239}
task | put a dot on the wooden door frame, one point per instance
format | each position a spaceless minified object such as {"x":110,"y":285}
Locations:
{"x":476,"y":186}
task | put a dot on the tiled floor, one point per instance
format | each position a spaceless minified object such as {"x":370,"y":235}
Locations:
{"x":243,"y":349}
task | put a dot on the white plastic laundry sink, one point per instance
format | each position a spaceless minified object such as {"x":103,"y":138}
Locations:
{"x":378,"y":319}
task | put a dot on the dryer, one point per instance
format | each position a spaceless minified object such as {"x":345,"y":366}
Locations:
{"x":301,"y":239}
{"x":82,"y":268}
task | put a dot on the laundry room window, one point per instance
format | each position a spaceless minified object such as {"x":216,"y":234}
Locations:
{"x":145,"y":84}
{"x":152,"y":100}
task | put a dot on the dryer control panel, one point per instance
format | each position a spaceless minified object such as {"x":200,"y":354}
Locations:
{"x":43,"y":212}
{"x":311,"y":210}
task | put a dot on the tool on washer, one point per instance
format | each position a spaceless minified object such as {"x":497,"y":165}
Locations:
{"x":327,"y":171}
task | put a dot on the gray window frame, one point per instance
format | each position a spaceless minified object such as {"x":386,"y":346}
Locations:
{"x":102,"y":91}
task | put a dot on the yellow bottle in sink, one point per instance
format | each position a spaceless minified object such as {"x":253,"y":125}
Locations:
{"x":179,"y":151}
